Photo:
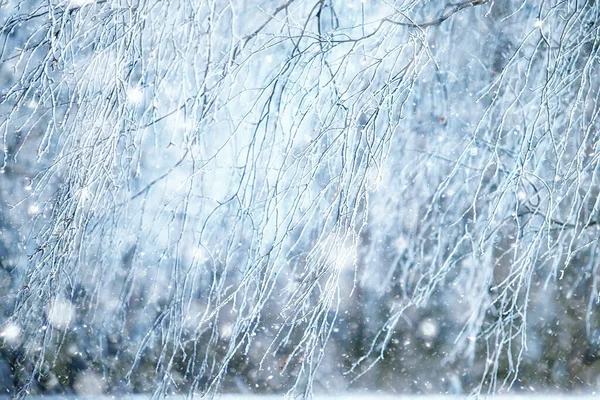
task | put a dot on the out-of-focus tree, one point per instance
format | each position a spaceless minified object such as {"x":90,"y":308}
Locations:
{"x":291,"y":195}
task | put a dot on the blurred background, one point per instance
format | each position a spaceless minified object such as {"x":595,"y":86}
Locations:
{"x":304,"y":196}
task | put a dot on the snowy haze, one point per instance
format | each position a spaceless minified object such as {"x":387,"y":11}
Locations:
{"x":299,"y":196}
